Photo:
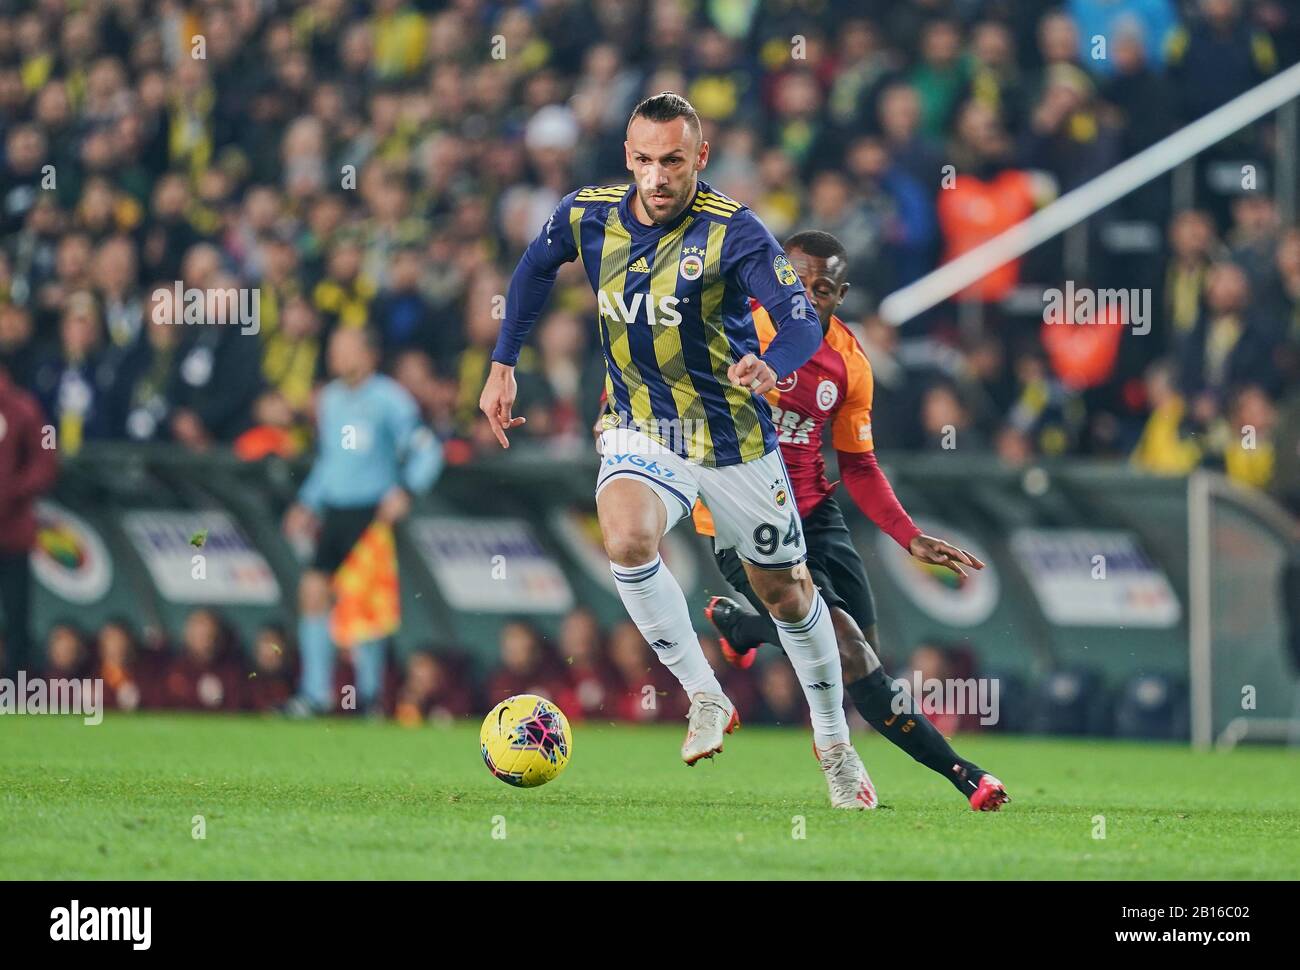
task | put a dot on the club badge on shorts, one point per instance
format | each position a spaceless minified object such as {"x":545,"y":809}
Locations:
{"x":779,"y":495}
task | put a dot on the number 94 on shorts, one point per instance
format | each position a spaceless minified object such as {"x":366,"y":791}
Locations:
{"x":752,"y":503}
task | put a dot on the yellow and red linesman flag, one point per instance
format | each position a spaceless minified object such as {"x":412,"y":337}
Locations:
{"x":366,"y":603}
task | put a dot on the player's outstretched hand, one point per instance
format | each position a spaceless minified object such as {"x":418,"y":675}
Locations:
{"x":940,"y":553}
{"x":752,"y":372}
{"x":497,"y":399}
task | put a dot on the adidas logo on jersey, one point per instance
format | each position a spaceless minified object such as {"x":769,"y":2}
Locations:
{"x":820,"y":685}
{"x":662,"y":644}
{"x":640,"y":266}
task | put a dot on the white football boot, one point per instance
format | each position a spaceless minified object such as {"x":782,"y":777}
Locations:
{"x":712,"y":716}
{"x":847,"y":777}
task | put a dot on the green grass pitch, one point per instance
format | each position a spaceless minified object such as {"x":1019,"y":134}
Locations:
{"x":348,"y":799}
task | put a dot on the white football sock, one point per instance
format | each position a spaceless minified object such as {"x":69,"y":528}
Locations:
{"x":810,"y":644}
{"x":658,"y":607}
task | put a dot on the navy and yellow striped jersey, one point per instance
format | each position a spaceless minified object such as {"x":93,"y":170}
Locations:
{"x":673,"y":314}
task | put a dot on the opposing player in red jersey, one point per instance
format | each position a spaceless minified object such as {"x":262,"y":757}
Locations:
{"x":834,"y":388}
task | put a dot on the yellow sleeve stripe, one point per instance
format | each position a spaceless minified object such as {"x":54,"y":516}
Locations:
{"x":575,"y":223}
{"x":694,"y":432}
{"x":709,"y":207}
{"x":609,"y":193}
{"x":719,"y":200}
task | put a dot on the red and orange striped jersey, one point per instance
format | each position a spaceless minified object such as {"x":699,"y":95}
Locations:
{"x":834,"y":387}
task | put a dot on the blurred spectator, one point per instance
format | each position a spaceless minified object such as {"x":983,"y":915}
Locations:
{"x":433,"y":690}
{"x":271,"y":682}
{"x":527,"y":666}
{"x":1047,"y":412}
{"x":569,"y":372}
{"x":941,"y":76}
{"x":910,"y":229}
{"x":983,"y":196}
{"x":17,"y":343}
{"x":1230,"y":342}
{"x":400,"y":312}
{"x":1145,"y":99}
{"x":139,"y":408}
{"x":1249,"y":454}
{"x":275,"y":430}
{"x":1217,"y":57}
{"x":911,"y":148}
{"x":25,"y":151}
{"x":995,"y":76}
{"x":782,"y":697}
{"x":1069,"y":136}
{"x":436,"y":396}
{"x":1150,"y":22}
{"x":930,"y":664}
{"x":1253,"y":236}
{"x":1192,"y":242}
{"x":946,"y":421}
{"x":130,"y":677}
{"x":207,"y":674}
{"x":67,"y":655}
{"x":1167,"y":445}
{"x":591,"y":681}
{"x":376,"y":164}
{"x":72,"y":387}
{"x":644,"y":692}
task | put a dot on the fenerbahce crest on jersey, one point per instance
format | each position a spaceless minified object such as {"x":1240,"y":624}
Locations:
{"x":674,"y":314}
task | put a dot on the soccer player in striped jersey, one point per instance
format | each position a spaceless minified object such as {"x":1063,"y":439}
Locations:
{"x":674,"y":265}
{"x":834,"y":389}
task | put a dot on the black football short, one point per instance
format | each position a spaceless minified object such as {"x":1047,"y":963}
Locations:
{"x":833,"y":562}
{"x":339,"y":531}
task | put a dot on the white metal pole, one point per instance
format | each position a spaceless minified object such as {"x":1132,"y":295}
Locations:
{"x":1200,"y":588}
{"x":1075,"y":206}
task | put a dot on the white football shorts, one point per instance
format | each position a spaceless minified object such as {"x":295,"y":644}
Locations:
{"x":752,"y":503}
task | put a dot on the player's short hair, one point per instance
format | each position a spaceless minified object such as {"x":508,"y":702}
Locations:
{"x":667,"y":106}
{"x":814,"y":242}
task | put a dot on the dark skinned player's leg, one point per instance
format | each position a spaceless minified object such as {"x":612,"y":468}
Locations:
{"x":838,"y":572}
{"x":883,"y":703}
{"x":891,"y":710}
{"x":746,"y":630}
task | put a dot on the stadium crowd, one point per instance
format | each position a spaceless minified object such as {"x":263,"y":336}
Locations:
{"x":593,"y":674}
{"x":383,"y":165}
